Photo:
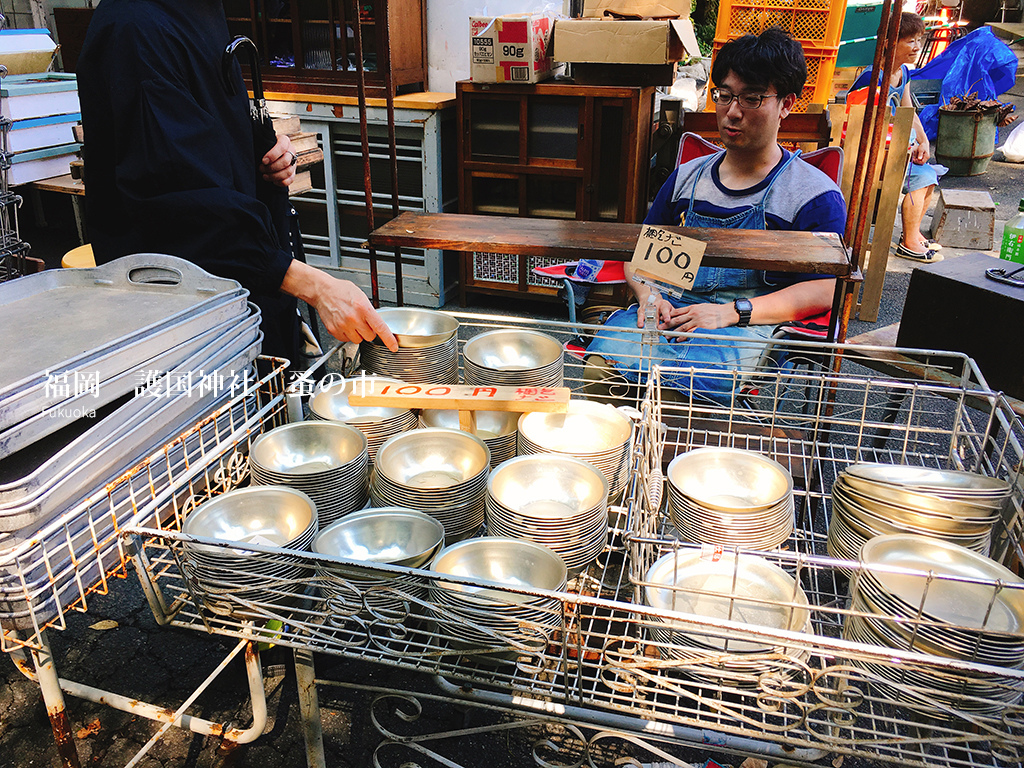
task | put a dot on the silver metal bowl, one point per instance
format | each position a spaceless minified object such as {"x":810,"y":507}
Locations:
{"x":547,"y":485}
{"x":501,"y":561}
{"x":415,"y":328}
{"x":307,"y":447}
{"x":489,"y":424}
{"x":585,"y":428}
{"x":512,"y":350}
{"x":432,"y":458}
{"x":331,"y":403}
{"x":730,"y":479}
{"x":396,"y":536}
{"x":262,"y":514}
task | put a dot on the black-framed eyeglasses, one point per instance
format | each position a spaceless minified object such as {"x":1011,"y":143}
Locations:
{"x":745,"y":100}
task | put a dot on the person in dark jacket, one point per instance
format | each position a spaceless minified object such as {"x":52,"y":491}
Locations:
{"x":172,"y":166}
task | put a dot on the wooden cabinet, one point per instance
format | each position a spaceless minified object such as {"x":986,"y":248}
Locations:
{"x":309,"y":46}
{"x":549,"y":150}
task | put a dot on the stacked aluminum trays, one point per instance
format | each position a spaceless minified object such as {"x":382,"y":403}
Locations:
{"x":183,"y":340}
{"x":13,"y":249}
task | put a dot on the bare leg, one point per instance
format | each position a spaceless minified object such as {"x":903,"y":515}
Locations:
{"x":915,"y":204}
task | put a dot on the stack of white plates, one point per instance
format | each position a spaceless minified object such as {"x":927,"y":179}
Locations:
{"x":391,"y":535}
{"x":969,"y":608}
{"x":742,"y":588}
{"x":871,"y":500}
{"x":730,"y":497}
{"x":442,"y":472}
{"x":486,"y":616}
{"x":598,"y":433}
{"x":428,"y":347}
{"x":376,"y":422}
{"x":267,"y":515}
{"x":514,"y":357}
{"x":558,"y":501}
{"x":325,"y":460}
{"x":496,"y":428}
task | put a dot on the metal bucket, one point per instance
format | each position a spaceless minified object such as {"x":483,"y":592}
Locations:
{"x":965,"y":141}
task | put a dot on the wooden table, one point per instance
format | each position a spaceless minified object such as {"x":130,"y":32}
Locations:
{"x":64,"y":185}
{"x":820,"y":253}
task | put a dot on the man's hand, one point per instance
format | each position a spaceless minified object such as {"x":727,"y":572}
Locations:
{"x":278,"y":166}
{"x":920,"y":152}
{"x":664,"y":307}
{"x":346,"y":312}
{"x":708,"y":316}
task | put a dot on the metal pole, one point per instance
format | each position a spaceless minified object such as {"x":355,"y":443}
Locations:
{"x":49,"y":686}
{"x":384,"y":59}
{"x":309,"y":708}
{"x":365,"y":143}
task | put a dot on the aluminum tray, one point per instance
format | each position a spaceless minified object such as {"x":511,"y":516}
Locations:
{"x":95,"y":384}
{"x":89,"y":320}
{"x":124,"y":437}
{"x":81,"y":546}
{"x":60,"y":414}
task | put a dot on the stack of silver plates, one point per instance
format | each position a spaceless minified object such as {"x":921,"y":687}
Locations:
{"x":878,"y":499}
{"x":934,"y":597}
{"x":378,"y":423}
{"x":558,"y":501}
{"x":479,"y":616}
{"x":325,"y":460}
{"x":391,"y":535}
{"x":428,"y":347}
{"x":513,"y":357}
{"x":598,"y":433}
{"x":228,"y":578}
{"x":715,"y":587}
{"x":496,"y":428}
{"x":730,"y":497}
{"x":442,"y":472}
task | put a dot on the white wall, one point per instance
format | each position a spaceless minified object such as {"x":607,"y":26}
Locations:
{"x":448,"y":34}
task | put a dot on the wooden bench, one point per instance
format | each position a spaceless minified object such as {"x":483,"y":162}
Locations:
{"x":770,"y":250}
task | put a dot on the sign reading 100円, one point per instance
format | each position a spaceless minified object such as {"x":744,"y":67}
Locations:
{"x":667,"y":259}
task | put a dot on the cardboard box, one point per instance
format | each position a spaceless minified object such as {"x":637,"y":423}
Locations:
{"x":624,"y":42}
{"x":640,"y":9}
{"x":511,"y":49}
{"x":26,"y":51}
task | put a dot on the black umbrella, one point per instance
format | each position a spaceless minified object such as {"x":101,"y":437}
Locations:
{"x":282,"y":215}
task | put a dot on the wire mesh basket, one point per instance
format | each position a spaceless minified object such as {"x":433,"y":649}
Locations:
{"x":58,"y":567}
{"x":800,"y":691}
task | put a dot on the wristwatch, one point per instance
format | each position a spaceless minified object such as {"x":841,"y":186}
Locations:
{"x":743,"y":309}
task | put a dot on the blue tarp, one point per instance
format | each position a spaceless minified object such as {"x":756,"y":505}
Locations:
{"x":978,"y":62}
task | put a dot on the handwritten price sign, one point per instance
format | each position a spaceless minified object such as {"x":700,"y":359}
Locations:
{"x":667,"y":257}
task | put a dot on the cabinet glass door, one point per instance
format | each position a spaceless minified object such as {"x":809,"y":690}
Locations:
{"x":553,"y":129}
{"x":494,"y":130}
{"x":609,"y":162}
{"x":551,"y":198}
{"x":495,"y":195}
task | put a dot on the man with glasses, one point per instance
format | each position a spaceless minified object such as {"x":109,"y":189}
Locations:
{"x":753,"y":184}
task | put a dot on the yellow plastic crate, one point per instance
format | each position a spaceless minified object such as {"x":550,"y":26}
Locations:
{"x":818,"y":23}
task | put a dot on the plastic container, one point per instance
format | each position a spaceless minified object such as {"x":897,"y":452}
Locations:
{"x":1012,"y":248}
{"x":821,"y":66}
{"x":815,"y":23}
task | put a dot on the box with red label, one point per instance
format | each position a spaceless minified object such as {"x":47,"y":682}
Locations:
{"x":511,"y":49}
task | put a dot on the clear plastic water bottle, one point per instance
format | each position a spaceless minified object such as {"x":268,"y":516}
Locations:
{"x":1013,"y":238}
{"x":587,"y":269}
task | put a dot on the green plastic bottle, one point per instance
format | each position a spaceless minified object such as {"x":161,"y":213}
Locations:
{"x":1013,"y":238}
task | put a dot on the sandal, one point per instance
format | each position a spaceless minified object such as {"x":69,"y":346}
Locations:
{"x":928,"y":256}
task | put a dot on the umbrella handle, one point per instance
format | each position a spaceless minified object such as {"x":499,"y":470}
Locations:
{"x":244,"y":43}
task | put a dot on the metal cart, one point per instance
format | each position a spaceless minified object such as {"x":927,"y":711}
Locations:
{"x":590,"y":658}
{"x":70,"y":560}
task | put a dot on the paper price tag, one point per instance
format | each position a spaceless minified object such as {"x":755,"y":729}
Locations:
{"x":667,"y":258}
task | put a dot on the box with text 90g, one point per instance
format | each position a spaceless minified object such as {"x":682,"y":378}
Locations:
{"x":511,"y":49}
